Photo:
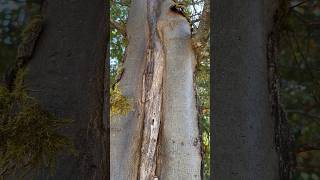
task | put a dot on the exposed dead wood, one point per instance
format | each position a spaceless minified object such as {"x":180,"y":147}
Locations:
{"x":151,"y":95}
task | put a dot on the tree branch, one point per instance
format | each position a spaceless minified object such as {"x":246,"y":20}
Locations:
{"x":315,"y":23}
{"x":201,"y":37}
{"x":307,"y":168}
{"x":298,"y":4}
{"x":313,"y":116}
{"x":307,"y":147}
{"x":119,"y":27}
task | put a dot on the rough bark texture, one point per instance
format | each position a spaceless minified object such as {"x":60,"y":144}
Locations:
{"x":152,"y":91}
{"x":159,"y":137}
{"x":66,"y":76}
{"x":284,"y":140}
{"x":243,"y":127}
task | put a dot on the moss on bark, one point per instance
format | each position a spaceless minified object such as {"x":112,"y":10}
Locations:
{"x":29,"y":135}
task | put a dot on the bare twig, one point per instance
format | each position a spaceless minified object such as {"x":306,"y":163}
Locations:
{"x":200,"y":39}
{"x":306,"y":63}
{"x":307,"y":147}
{"x":307,"y":168}
{"x":298,"y":4}
{"x":313,"y":116}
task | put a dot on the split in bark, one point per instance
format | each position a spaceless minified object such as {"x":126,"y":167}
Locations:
{"x":283,"y":138}
{"x":151,"y":94}
{"x":152,"y":90}
{"x":158,"y":124}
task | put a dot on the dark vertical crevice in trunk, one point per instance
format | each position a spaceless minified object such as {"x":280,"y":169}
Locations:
{"x":159,"y":152}
{"x":283,"y":138}
{"x":199,"y":110}
{"x":158,"y":147}
{"x":105,"y":161}
{"x":281,"y":129}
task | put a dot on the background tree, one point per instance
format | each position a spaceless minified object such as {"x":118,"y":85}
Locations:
{"x":299,"y":72}
{"x":297,"y":66}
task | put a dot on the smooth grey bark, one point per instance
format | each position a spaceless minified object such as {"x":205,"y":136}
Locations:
{"x":125,"y":130}
{"x":165,"y":37}
{"x":180,"y":156}
{"x":66,"y":76}
{"x":243,"y":127}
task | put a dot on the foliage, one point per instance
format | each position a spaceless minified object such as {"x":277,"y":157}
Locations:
{"x":118,"y":14}
{"x":13,"y":16}
{"x":118,"y":41}
{"x":29,"y":134}
{"x":203,"y":96}
{"x":300,"y":86}
{"x":120,"y":104}
{"x":202,"y":80}
{"x":30,"y":26}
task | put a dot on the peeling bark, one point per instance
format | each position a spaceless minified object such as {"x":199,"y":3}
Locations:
{"x":151,"y":94}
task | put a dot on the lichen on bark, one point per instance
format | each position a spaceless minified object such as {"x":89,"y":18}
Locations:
{"x":29,"y":38}
{"x":29,"y":134}
{"x":120,"y":104}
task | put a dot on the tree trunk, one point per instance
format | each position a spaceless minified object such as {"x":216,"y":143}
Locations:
{"x":244,"y":125}
{"x":159,"y":137}
{"x":66,"y":76}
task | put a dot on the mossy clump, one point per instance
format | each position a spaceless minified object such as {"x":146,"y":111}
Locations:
{"x":28,"y":134}
{"x":120,"y":104}
{"x":32,"y":26}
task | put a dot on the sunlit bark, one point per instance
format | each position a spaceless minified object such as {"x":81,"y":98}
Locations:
{"x":160,"y":136}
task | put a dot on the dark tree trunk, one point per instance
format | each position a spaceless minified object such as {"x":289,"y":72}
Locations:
{"x":244,"y":134}
{"x":66,"y":76}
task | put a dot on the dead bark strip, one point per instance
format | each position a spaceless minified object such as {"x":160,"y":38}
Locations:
{"x":151,"y":95}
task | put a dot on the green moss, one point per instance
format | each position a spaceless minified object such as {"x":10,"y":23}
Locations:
{"x":120,"y":70}
{"x":120,"y":104}
{"x":31,"y":25}
{"x":28,"y":134}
